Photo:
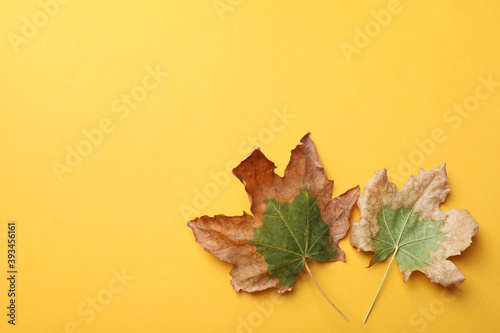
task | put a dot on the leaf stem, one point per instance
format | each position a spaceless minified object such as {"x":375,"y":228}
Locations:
{"x":380,"y":287}
{"x":317,"y":285}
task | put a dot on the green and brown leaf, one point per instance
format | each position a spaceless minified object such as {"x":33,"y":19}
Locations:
{"x":410,"y":222}
{"x":294,"y":218}
{"x":410,"y":225}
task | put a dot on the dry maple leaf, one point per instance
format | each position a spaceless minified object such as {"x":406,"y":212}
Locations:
{"x":294,"y":218}
{"x":410,"y":225}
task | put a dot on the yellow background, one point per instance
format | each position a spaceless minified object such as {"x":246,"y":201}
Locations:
{"x":123,"y":209}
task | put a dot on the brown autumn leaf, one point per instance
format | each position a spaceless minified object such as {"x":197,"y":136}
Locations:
{"x":410,"y":225}
{"x":294,"y":218}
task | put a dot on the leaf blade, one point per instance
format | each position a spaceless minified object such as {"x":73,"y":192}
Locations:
{"x":427,"y":235}
{"x":230,"y":238}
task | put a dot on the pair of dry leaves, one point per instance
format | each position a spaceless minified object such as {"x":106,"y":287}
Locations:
{"x":295,"y":218}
